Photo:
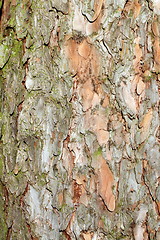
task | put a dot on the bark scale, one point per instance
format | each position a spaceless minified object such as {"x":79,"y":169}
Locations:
{"x":79,"y":119}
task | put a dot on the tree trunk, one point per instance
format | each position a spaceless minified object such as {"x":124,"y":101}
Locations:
{"x":79,"y":119}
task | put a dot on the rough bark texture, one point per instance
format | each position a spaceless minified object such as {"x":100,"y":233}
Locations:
{"x":79,"y":119}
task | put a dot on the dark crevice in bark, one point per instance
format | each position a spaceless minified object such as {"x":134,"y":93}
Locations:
{"x":21,"y":201}
{"x":9,"y":232}
{"x":144,"y":181}
{"x":91,"y":21}
{"x":66,"y":235}
{"x":150,"y":5}
{"x":108,"y":49}
{"x":58,"y":11}
{"x":6,"y":62}
{"x":1,"y":12}
{"x":30,"y":231}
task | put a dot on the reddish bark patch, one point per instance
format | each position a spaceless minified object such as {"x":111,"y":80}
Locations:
{"x":77,"y":191}
{"x":30,"y":232}
{"x":67,"y":236}
{"x":106,"y":181}
{"x":5,"y":12}
{"x":20,"y":106}
{"x":156,"y":46}
{"x":9,"y":232}
{"x":83,"y":58}
{"x":134,"y":6}
{"x":87,"y":235}
{"x":68,"y":157}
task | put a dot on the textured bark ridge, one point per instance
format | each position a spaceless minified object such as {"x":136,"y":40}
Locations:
{"x":79,"y":153}
{"x":85,"y":64}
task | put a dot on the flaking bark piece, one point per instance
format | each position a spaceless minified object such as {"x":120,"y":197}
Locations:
{"x":106,"y":180}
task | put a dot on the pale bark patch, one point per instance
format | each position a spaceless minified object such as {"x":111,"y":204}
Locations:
{"x":156,"y":4}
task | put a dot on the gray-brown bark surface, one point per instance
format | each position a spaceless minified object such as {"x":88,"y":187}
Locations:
{"x":79,"y":119}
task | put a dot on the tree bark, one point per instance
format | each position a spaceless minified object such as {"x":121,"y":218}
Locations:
{"x":79,"y":119}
